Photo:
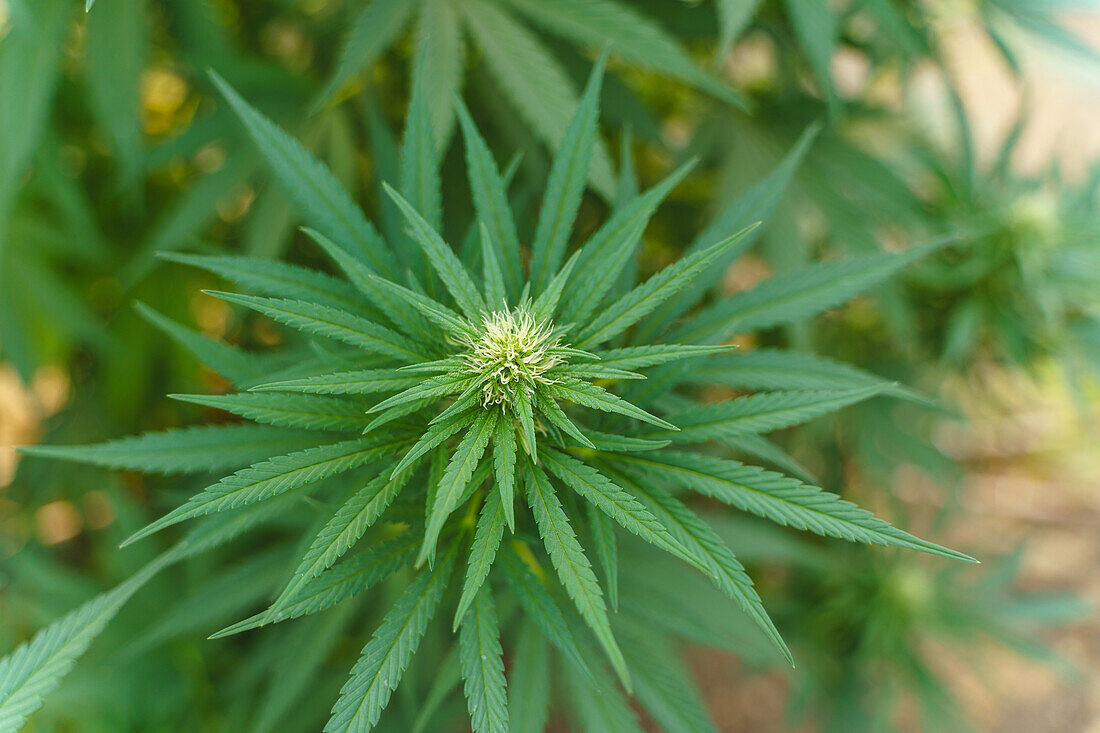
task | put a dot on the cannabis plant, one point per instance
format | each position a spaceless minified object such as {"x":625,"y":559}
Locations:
{"x":439,"y":400}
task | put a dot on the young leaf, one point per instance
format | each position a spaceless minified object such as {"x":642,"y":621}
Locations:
{"x":482,"y":666}
{"x":483,"y":551}
{"x":597,"y":398}
{"x":360,"y":381}
{"x":385,"y":657}
{"x":504,"y":468}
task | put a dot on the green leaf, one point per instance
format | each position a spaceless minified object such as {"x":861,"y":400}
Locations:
{"x":440,"y":63}
{"x":634,"y":306}
{"x":726,"y":572}
{"x":817,"y":27}
{"x":529,"y":681}
{"x":286,"y":410}
{"x":491,"y":200}
{"x":597,"y":398}
{"x":496,"y":292}
{"x":761,"y":413}
{"x":385,"y":657}
{"x":442,"y":259}
{"x":324,"y":203}
{"x":277,"y":476}
{"x":733,"y":17}
{"x":637,"y":39}
{"x":238,"y":366}
{"x":573,"y":567}
{"x":798,"y":295}
{"x":374,"y":30}
{"x":434,"y":437}
{"x":614,"y":502}
{"x":546,"y":304}
{"x":607,"y":551}
{"x":756,"y":204}
{"x":455,"y":478}
{"x":554,"y":414}
{"x":441,"y":315}
{"x":535,"y":82}
{"x":771,"y":369}
{"x":36,"y":667}
{"x":565,"y":183}
{"x":341,"y":532}
{"x":603,"y":256}
{"x":636,"y":357}
{"x":480,"y":658}
{"x":360,"y":381}
{"x":420,"y":181}
{"x":278,"y":279}
{"x":331,"y":323}
{"x":504,"y":468}
{"x":183,"y":450}
{"x":539,"y":606}
{"x":663,"y":684}
{"x":600,"y":707}
{"x":117,"y":44}
{"x":483,"y":551}
{"x":341,"y":582}
{"x":778,"y":498}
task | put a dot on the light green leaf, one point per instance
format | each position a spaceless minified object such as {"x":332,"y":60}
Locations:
{"x":504,"y":468}
{"x":238,"y":366}
{"x":360,"y":381}
{"x":529,"y":681}
{"x":597,"y":398}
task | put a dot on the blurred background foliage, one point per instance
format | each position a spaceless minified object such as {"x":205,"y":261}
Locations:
{"x":113,"y":149}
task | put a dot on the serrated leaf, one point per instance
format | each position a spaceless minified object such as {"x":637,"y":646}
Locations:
{"x":602,"y":257}
{"x":117,"y":44}
{"x":637,"y":357}
{"x":434,"y":437}
{"x":504,"y":468}
{"x":331,"y":323}
{"x":360,"y":381}
{"x":573,"y":567}
{"x":597,"y":398}
{"x":278,"y":279}
{"x":238,"y":366}
{"x":614,"y":502}
{"x":277,"y":476}
{"x":308,"y":412}
{"x":443,"y":260}
{"x":761,"y":413}
{"x":183,"y":450}
{"x":483,"y":551}
{"x":420,"y":182}
{"x":37,"y":666}
{"x":797,"y":295}
{"x":455,"y":478}
{"x":385,"y":657}
{"x":607,"y":551}
{"x":778,"y":498}
{"x":374,"y":29}
{"x":442,"y":60}
{"x":324,"y":203}
{"x":496,"y":292}
{"x":480,"y":658}
{"x":640,"y":301}
{"x":534,"y":80}
{"x":561,"y":197}
{"x":631,"y":35}
{"x":727,"y":573}
{"x":663,"y":684}
{"x":337,"y":584}
{"x":341,"y":532}
{"x":491,"y":200}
